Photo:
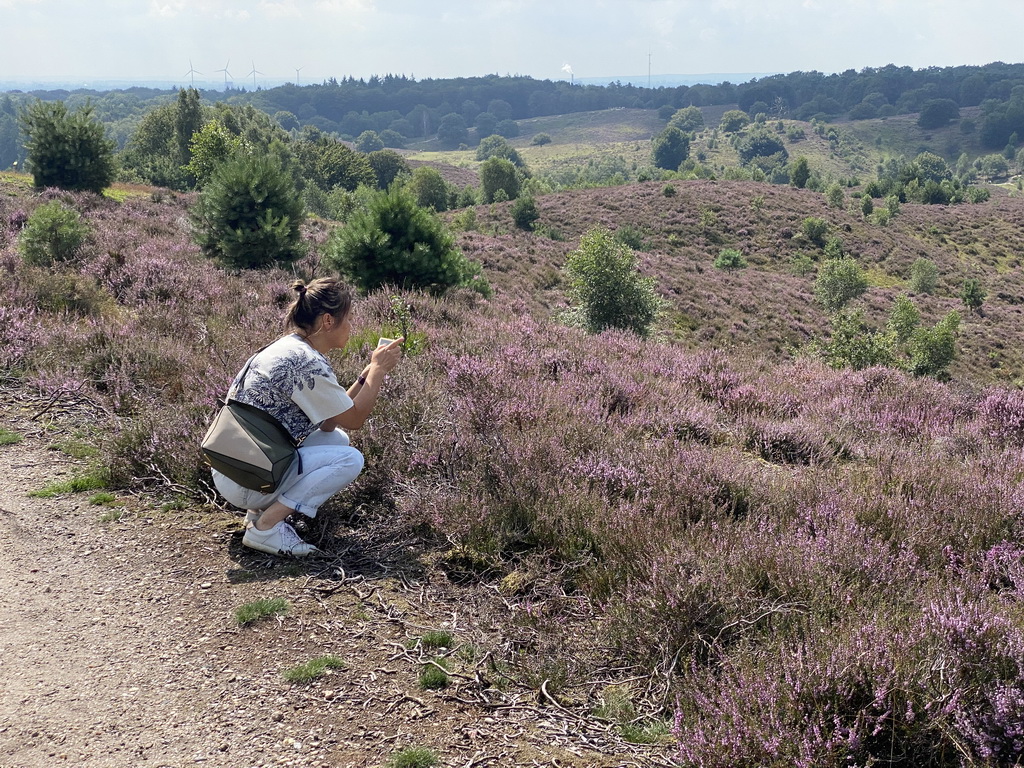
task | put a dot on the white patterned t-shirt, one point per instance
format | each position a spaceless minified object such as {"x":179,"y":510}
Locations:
{"x":295,"y":384}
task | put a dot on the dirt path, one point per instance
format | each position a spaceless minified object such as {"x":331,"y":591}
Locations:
{"x":118,"y":647}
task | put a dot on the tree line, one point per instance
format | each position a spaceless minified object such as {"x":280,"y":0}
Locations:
{"x":408,"y":109}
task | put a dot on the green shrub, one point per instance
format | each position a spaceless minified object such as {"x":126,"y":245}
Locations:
{"x":904,"y":318}
{"x":972,"y":294}
{"x":248,"y":215}
{"x":606,"y":287}
{"x":631,"y":236}
{"x":53,"y":233}
{"x":396,"y":242}
{"x":923,"y":276}
{"x":834,"y":195}
{"x":730,"y":258}
{"x":839,"y":281}
{"x":978,"y":194}
{"x":931,"y":350}
{"x":499,"y":180}
{"x":854,"y":345}
{"x":801,"y":264}
{"x":815,"y":229}
{"x":67,"y":150}
{"x":669,"y":190}
{"x":540,"y":139}
{"x":524,"y":212}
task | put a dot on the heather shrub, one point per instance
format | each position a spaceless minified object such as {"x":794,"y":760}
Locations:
{"x":1001,"y":413}
{"x":607,"y":288}
{"x":53,"y":233}
{"x":75,"y":294}
{"x":248,"y":215}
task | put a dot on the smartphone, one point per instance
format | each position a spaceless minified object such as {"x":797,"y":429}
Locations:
{"x":382,"y":342}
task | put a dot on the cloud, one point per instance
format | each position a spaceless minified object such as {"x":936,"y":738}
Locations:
{"x":278,"y":10}
{"x":165,"y":10}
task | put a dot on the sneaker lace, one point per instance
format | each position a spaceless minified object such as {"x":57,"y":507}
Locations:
{"x":289,"y":538}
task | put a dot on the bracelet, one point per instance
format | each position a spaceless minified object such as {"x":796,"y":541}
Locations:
{"x":361,"y":380}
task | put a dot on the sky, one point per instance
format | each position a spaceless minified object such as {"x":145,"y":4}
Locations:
{"x":309,"y":41}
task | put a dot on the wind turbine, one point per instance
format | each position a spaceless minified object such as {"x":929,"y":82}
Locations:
{"x":226,"y":74}
{"x":297,"y":70}
{"x":254,"y":72}
{"x":192,"y":72}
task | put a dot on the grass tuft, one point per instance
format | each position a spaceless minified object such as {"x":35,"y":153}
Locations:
{"x":93,"y":481}
{"x":312,"y":669}
{"x":9,"y":438}
{"x":414,"y":757}
{"x":437,"y":638}
{"x":434,"y":676}
{"x":261,"y":609}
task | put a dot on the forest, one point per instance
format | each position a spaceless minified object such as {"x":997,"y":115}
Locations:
{"x":414,"y":110}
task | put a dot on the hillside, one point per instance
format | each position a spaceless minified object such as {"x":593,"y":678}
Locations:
{"x":698,"y":549}
{"x":766,"y":308}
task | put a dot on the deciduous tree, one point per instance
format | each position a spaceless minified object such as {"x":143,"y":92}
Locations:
{"x":670,"y":149}
{"x":607,"y":288}
{"x":498,"y":175}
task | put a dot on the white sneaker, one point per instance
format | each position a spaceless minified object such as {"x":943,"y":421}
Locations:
{"x":279,"y":540}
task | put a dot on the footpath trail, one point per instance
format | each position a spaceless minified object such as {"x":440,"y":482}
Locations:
{"x":119,"y":647}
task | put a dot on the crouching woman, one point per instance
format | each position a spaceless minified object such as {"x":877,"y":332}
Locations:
{"x":293,"y":381}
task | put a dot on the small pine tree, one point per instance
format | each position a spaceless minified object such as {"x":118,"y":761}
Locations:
{"x":730,"y":258}
{"x":53,"y":233}
{"x":67,"y":150}
{"x":524,"y":212}
{"x":607,"y":288}
{"x":249,"y":214}
{"x":395,"y":242}
{"x":972,"y":294}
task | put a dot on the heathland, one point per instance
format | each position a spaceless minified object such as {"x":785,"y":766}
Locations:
{"x":717,"y":540}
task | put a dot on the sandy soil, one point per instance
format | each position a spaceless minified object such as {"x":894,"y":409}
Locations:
{"x":119,"y":645}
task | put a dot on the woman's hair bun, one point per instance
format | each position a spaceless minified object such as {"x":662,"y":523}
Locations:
{"x":299,"y":287}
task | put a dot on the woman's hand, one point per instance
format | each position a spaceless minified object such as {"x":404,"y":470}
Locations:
{"x":386,"y":358}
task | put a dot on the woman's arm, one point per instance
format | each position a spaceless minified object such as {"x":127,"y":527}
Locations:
{"x":365,"y":391}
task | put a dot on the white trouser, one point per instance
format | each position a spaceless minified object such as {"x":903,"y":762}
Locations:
{"x":329,"y":464}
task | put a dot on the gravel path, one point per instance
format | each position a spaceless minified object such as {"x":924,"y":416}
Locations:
{"x":119,"y":647}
